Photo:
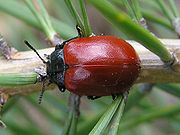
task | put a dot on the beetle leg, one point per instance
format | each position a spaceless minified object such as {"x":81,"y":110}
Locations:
{"x":79,"y":30}
{"x":62,"y":89}
{"x":125,"y":95}
{"x":114,"y":96}
{"x":61,"y":46}
{"x":42,"y":74}
{"x":93,"y":97}
{"x":66,"y":41}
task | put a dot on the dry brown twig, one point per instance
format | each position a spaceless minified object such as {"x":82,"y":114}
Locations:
{"x":153,"y":70}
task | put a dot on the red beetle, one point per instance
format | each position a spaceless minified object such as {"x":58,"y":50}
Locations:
{"x":93,"y":66}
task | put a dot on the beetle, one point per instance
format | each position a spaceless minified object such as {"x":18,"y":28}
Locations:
{"x":93,"y":66}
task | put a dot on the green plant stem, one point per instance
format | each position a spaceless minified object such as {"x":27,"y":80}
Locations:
{"x":26,"y":16}
{"x":167,"y":111}
{"x":85,"y":127}
{"x":157,"y":19}
{"x":15,"y":79}
{"x":71,"y":123}
{"x":173,"y":89}
{"x":130,"y":10}
{"x":102,"y":124}
{"x":68,"y":124}
{"x":115,"y":122}
{"x":135,"y":12}
{"x":48,"y":31}
{"x":73,"y":127}
{"x":87,"y":26}
{"x":151,"y":15}
{"x":45,"y":16}
{"x":136,"y":8}
{"x":171,"y":14}
{"x":124,"y":23}
{"x":165,"y":9}
{"x":173,"y":8}
{"x":75,"y":15}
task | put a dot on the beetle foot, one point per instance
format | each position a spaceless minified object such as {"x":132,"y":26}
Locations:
{"x":114,"y":96}
{"x":125,"y":95}
{"x":42,"y":73}
{"x":62,"y":88}
{"x":93,"y":97}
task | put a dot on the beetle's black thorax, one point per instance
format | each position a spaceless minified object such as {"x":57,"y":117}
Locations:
{"x":56,"y":67}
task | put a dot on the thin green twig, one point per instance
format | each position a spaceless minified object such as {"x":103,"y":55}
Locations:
{"x":173,"y":89}
{"x":130,"y":10}
{"x":125,"y":24}
{"x":174,"y":8}
{"x":153,"y":114}
{"x":49,"y":32}
{"x":87,"y":26}
{"x":65,"y":31}
{"x":13,"y":79}
{"x":157,"y":19}
{"x":136,"y":9}
{"x":102,"y":124}
{"x":45,"y":15}
{"x":68,"y":124}
{"x":75,"y":15}
{"x":115,"y":122}
{"x":165,"y":9}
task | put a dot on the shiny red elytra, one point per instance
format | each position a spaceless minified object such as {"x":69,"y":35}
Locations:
{"x":100,"y":66}
{"x":93,"y":66}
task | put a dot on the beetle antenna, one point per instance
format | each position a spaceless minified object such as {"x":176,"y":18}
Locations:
{"x":32,"y":48}
{"x":42,"y":92}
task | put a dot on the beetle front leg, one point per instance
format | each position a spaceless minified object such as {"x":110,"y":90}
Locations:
{"x":42,"y":74}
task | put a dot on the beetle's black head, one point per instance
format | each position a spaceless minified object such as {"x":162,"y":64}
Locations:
{"x":56,"y":67}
